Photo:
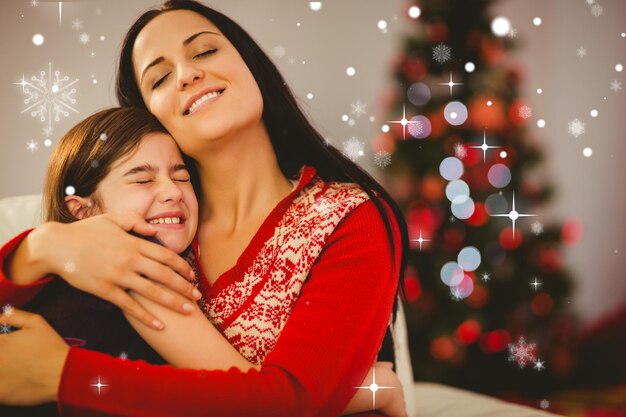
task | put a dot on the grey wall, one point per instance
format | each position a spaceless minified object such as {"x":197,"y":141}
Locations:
{"x":317,"y":53}
{"x":344,"y":33}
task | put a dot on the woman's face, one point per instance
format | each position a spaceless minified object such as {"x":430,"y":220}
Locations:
{"x":154,"y":183}
{"x":194,"y":81}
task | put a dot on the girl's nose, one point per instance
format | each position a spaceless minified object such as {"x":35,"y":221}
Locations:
{"x":169,"y":191}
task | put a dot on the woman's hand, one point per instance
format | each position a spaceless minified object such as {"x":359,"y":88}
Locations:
{"x":31,"y":359}
{"x":393,"y":404}
{"x":98,"y":256}
{"x":389,"y":398}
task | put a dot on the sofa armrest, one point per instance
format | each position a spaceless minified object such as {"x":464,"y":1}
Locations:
{"x":18,"y":214}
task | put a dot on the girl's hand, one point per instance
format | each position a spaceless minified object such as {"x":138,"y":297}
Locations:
{"x":31,"y":360}
{"x":98,"y":256}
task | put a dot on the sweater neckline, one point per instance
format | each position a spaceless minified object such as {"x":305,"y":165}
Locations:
{"x":236,"y":272}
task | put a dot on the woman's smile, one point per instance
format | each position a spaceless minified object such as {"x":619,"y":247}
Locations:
{"x":203,"y":99}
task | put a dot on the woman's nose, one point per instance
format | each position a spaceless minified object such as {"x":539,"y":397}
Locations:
{"x":188,"y":74}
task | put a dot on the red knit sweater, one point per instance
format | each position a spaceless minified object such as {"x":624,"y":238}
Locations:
{"x":310,"y":362}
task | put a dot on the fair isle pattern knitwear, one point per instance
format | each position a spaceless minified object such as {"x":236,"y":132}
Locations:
{"x":251,"y":312}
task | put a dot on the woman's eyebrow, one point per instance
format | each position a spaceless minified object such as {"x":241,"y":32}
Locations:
{"x":185,"y":43}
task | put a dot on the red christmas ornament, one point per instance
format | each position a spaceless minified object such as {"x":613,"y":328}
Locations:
{"x":419,"y":217}
{"x":571,"y":232}
{"x":384,"y":142}
{"x":507,"y":241}
{"x":411,"y":285}
{"x":491,"y":50}
{"x":530,"y":189}
{"x":474,"y":157}
{"x":549,"y":259}
{"x":433,"y":188}
{"x":438,"y":123}
{"x":487,"y":117}
{"x":414,"y":69}
{"x":494,"y":341}
{"x":468,"y":332}
{"x":453,"y":238}
{"x":437,"y":32}
{"x":442,"y":348}
{"x":479,"y":296}
{"x":479,"y":217}
{"x":542,"y":304}
{"x":519,"y":112}
{"x":506,"y":155}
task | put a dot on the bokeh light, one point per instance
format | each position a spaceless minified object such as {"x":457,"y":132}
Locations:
{"x":499,"y":175}
{"x":451,"y":168}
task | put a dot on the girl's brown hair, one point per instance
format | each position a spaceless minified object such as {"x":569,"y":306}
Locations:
{"x":84,"y":156}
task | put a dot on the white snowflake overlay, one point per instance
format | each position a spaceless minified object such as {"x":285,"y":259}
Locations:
{"x":279,"y":51}
{"x":353,"y":148}
{"x":442,"y":53}
{"x":596,"y":10}
{"x":616,"y":85}
{"x":50,"y":96}
{"x":460,"y":151}
{"x":522,"y":353}
{"x":576,"y":128}
{"x":358,"y":109}
{"x":525,"y":112}
{"x":536,"y":228}
{"x":382,"y":158}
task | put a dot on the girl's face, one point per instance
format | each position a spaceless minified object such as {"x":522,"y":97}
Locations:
{"x":154,"y":183}
{"x":194,"y":81}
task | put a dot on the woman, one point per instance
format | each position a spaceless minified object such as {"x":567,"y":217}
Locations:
{"x":228,"y":108}
{"x":139,"y":169}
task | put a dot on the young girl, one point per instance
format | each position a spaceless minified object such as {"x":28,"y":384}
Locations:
{"x":122,"y":160}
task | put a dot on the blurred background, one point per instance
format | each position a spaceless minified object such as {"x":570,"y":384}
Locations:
{"x":461,"y":108}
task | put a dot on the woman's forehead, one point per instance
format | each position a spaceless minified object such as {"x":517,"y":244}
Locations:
{"x":169,"y":29}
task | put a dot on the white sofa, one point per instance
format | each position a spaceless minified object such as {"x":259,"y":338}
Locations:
{"x":422,"y":399}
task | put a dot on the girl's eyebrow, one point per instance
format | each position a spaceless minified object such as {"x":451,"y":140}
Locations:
{"x":185,"y":43}
{"x":151,"y":169}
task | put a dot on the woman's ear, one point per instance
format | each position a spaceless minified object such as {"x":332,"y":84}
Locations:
{"x":79,"y":207}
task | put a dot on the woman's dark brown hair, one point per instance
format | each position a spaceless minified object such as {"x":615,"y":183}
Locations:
{"x":295,"y":140}
{"x":84,"y":156}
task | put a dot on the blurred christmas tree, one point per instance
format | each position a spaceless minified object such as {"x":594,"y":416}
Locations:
{"x":486,"y":294}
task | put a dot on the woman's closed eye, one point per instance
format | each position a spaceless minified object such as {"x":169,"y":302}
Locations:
{"x":206,"y":53}
{"x":200,"y":55}
{"x":160,"y":81}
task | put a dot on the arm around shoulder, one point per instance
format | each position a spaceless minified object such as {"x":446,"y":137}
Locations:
{"x":24,"y":271}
